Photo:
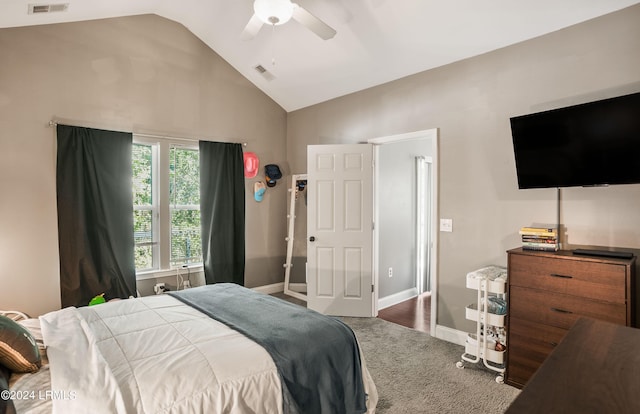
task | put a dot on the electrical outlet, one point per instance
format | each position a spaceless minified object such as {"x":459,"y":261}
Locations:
{"x":391,"y":272}
{"x":446,"y":225}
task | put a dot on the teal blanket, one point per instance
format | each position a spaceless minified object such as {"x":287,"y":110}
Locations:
{"x":317,"y":356}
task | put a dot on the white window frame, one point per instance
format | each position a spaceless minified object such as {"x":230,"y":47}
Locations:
{"x":161,"y":203}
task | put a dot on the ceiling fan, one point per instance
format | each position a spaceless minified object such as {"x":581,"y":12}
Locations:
{"x":277,"y":12}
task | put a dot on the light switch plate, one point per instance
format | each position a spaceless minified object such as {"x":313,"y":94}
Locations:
{"x":446,"y":225}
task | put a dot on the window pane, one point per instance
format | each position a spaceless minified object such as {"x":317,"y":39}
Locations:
{"x":186,"y":244}
{"x":143,"y":208}
{"x":143,"y":237}
{"x":184,"y":190}
{"x":184,"y":176}
{"x":142,"y":181}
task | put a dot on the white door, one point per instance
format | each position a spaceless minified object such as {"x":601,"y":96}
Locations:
{"x":340,"y":229}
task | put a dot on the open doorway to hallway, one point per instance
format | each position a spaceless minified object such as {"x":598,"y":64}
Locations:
{"x":406,"y":243}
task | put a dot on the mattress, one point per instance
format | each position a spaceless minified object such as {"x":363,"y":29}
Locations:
{"x":153,"y":355}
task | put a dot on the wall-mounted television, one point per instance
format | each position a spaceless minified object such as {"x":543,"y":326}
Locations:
{"x":591,"y":144}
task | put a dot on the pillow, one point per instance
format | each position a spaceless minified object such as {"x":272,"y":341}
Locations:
{"x":18,"y":349}
{"x":33,"y":326}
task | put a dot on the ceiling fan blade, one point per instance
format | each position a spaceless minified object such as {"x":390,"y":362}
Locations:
{"x":311,"y":22}
{"x":252,"y":28}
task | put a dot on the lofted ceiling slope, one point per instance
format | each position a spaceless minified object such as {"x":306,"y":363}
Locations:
{"x":377,"y":41}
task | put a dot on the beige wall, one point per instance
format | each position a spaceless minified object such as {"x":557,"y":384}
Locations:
{"x":149,"y":75}
{"x":143,"y":74}
{"x":471,"y":102}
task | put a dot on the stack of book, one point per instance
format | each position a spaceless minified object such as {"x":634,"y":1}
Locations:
{"x":539,"y":238}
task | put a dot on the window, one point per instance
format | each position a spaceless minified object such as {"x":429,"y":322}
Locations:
{"x":166,"y":211}
{"x":184,"y":190}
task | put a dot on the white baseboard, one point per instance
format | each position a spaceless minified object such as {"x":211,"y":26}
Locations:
{"x":442,"y":332}
{"x":451,"y":335}
{"x":298,"y":287}
{"x":269,"y":289}
{"x":397,"y":298}
{"x":279,"y":287}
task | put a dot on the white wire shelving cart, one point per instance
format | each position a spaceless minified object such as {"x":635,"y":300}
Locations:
{"x":488,"y":343}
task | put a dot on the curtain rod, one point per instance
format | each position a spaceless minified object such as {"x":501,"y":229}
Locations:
{"x":53,"y":123}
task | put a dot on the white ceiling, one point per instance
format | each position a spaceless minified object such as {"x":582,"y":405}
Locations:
{"x":377,"y":40}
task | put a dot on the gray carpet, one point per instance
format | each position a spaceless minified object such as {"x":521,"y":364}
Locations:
{"x":415,"y":373}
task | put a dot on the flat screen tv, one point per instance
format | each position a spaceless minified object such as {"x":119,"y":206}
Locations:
{"x":591,"y":144}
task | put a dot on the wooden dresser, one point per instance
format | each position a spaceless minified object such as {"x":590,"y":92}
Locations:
{"x":593,"y":370}
{"x":549,"y":291}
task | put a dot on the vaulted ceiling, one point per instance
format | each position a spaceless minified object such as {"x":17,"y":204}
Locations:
{"x":377,"y":41}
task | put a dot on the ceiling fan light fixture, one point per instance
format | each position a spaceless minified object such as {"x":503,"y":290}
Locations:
{"x":274,"y":12}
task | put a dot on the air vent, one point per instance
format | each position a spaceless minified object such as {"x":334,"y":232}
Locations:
{"x":48,"y":8}
{"x":264,"y":72}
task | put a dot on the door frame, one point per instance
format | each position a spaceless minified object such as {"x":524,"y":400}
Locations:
{"x":432,"y":134}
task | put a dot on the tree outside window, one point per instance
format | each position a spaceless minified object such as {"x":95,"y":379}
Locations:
{"x":184,"y":190}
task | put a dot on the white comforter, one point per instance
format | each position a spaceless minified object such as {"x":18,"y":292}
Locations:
{"x":155,"y":355}
{"x":158,"y":355}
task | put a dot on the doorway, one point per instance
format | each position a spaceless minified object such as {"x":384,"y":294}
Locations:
{"x":405,"y":181}
{"x":413,"y":270}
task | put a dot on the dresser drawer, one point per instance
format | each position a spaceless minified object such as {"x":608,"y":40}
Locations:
{"x":528,"y":345}
{"x":518,"y":374}
{"x":524,"y":330}
{"x":554,"y":309}
{"x":525,"y":358}
{"x":594,"y":280}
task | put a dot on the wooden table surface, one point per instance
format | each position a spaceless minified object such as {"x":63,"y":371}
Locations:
{"x":594,"y":369}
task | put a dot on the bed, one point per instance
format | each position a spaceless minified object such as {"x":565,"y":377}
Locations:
{"x":214,"y":349}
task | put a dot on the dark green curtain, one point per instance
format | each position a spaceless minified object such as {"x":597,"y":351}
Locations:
{"x":222,"y":211}
{"x":95,"y":214}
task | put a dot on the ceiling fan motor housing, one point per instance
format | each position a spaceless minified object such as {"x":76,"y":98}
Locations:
{"x":274,"y":12}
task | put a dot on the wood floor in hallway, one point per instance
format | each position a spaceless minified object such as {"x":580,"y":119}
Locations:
{"x":413,"y":313}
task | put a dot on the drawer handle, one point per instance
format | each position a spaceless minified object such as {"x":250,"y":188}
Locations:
{"x":561,"y":276}
{"x":560,"y":310}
